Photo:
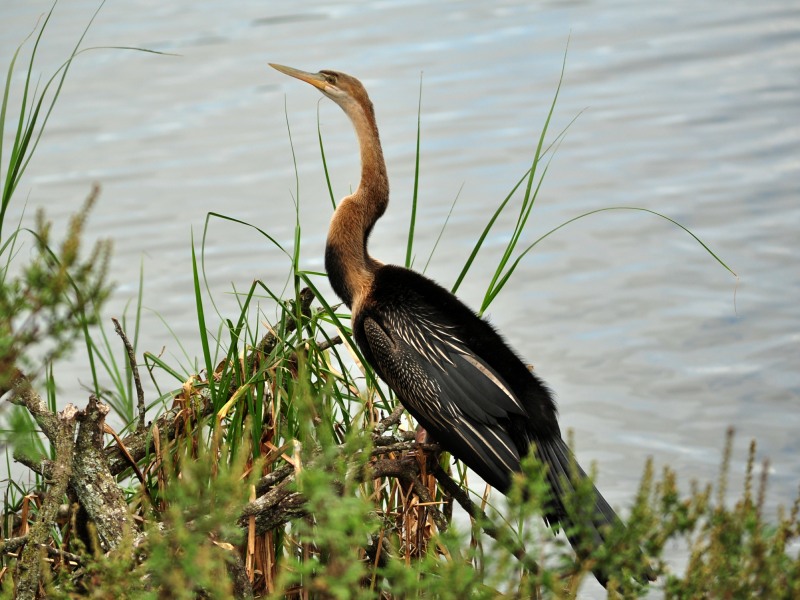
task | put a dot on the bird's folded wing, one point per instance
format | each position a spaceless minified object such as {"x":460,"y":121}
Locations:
{"x":456,"y":395}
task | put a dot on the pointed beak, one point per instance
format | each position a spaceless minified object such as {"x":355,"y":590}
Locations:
{"x":315,"y":79}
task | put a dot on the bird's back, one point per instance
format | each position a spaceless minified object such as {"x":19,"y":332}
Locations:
{"x":452,"y":370}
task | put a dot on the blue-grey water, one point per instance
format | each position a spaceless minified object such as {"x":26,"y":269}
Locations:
{"x":690,"y":110}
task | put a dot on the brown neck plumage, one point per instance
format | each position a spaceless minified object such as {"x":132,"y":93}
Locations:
{"x":350,"y":267}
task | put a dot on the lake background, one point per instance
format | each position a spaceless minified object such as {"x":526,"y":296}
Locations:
{"x":694,"y":111}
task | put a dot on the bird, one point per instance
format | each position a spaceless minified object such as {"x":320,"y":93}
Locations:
{"x":450,"y":368}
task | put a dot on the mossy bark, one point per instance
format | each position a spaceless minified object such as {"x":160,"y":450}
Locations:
{"x":92,"y":482}
{"x":80,"y":466}
{"x":28,"y":576}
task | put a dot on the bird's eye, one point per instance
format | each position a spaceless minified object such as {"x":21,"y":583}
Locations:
{"x":330,"y":76}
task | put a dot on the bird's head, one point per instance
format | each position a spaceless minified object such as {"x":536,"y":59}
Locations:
{"x":345,"y":90}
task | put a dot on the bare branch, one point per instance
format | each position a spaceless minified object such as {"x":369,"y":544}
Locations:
{"x":23,"y":394}
{"x":274,"y":509}
{"x":28,"y":574}
{"x":390,"y":421}
{"x":408,"y":469}
{"x":93,"y":483}
{"x":326,"y":344}
{"x":135,"y":371}
{"x":265,"y":483}
{"x":140,"y":443}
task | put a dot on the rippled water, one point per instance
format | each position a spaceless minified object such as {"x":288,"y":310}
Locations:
{"x":652,"y":347}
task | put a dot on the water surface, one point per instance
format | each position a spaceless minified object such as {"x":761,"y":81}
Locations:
{"x":651,"y":346}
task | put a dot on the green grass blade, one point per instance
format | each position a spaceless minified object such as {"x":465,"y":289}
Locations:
{"x":246,"y":224}
{"x":151,"y":361}
{"x":136,"y":324}
{"x":415,"y":196}
{"x":297,"y":228}
{"x":27,"y":136}
{"x":479,"y":244}
{"x":121,"y":403}
{"x":324,"y":161}
{"x":191,"y":365}
{"x":495,"y":286}
{"x":611,"y":208}
{"x":22,"y":128}
{"x":340,"y":326}
{"x":444,"y":226}
{"x":64,"y":69}
{"x":528,"y":199}
{"x":201,"y":322}
{"x":4,"y":105}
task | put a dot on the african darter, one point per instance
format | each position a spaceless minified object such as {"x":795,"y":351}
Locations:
{"x":450,"y":368}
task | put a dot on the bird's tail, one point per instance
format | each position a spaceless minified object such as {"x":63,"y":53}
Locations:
{"x":586,"y":524}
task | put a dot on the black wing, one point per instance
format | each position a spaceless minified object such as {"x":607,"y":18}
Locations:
{"x":461,"y":381}
{"x":456,"y":395}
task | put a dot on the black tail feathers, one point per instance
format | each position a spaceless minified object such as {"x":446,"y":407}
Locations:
{"x":586,"y":524}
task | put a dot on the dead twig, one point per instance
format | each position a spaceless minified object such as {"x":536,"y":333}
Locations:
{"x":326,"y":344}
{"x":135,"y":371}
{"x":389,"y":421}
{"x":268,"y":342}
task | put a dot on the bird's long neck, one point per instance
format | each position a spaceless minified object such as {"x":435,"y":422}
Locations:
{"x":350,"y":267}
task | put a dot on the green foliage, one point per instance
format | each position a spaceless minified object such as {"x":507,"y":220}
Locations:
{"x":24,"y":435}
{"x":48,"y":302}
{"x":327,"y":559}
{"x":736,"y":552}
{"x":186,"y":551}
{"x":118,"y":575}
{"x":54,"y":299}
{"x":191,"y":542}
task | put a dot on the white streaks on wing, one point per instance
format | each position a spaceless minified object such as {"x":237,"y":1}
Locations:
{"x":493,"y":378}
{"x":491,"y":447}
{"x":425,"y":336}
